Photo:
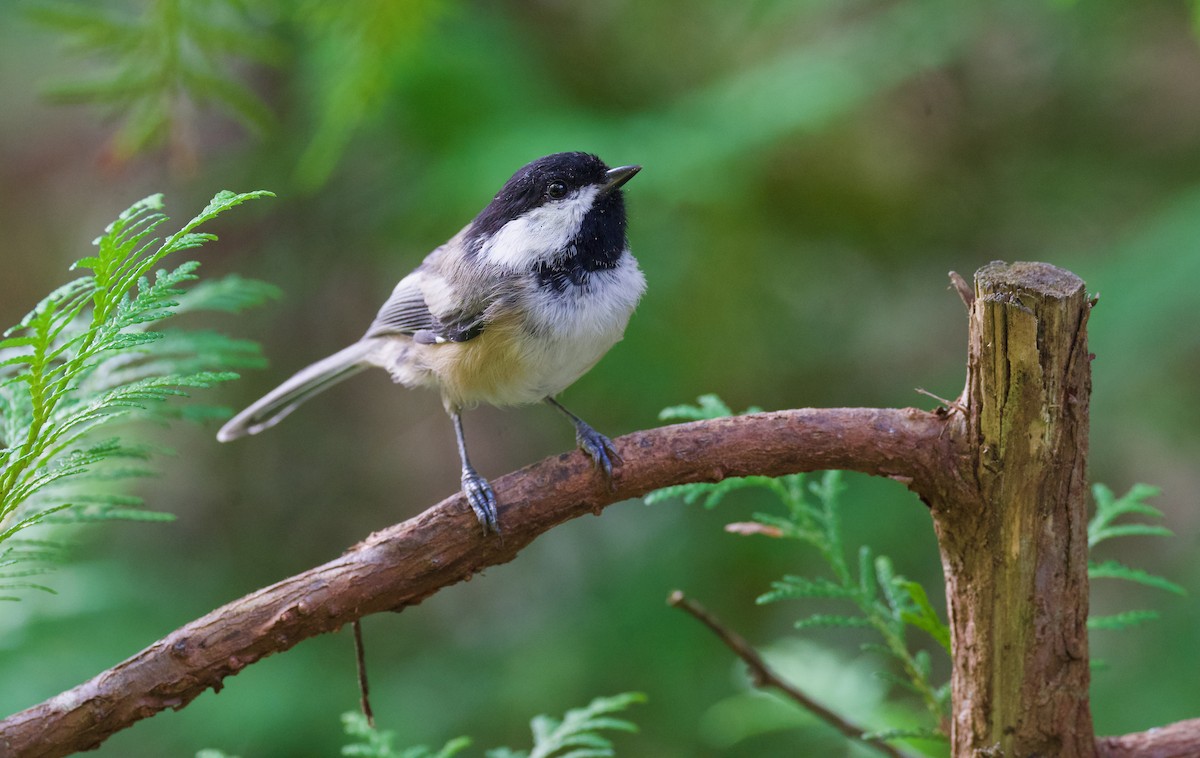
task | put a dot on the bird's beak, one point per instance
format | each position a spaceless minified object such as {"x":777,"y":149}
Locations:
{"x":615,"y":177}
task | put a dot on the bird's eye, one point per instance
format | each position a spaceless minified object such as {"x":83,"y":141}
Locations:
{"x":556,"y":190}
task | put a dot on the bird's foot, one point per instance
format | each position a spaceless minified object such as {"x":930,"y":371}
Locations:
{"x":482,"y":499}
{"x":598,"y":447}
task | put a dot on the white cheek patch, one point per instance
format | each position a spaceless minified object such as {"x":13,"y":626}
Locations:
{"x":541,"y":233}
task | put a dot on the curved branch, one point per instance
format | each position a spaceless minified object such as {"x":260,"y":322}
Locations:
{"x":403,"y":564}
{"x":1178,"y":740}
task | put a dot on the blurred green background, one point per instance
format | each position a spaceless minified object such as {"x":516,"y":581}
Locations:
{"x":812,"y":170}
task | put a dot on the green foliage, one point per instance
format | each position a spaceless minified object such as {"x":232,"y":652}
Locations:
{"x":576,"y":735}
{"x":888,"y":735}
{"x":1109,"y":508}
{"x":884,"y":601}
{"x":1117,"y":570}
{"x":376,"y":743}
{"x":706,"y":407}
{"x":89,"y":355}
{"x":155,"y":57}
{"x":359,"y":47}
{"x":152,"y":61}
{"x":1122,"y":620}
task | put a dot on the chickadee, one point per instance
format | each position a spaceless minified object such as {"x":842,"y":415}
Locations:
{"x":512,"y":310}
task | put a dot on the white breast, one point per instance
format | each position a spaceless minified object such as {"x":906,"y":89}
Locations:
{"x":572,"y":330}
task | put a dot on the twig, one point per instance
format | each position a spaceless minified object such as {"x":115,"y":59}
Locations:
{"x":762,"y":676}
{"x":364,"y":689}
{"x":965,"y":292}
{"x":950,"y":405}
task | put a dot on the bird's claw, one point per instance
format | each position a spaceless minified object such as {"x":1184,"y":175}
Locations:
{"x":482,"y":499}
{"x":597,"y":447}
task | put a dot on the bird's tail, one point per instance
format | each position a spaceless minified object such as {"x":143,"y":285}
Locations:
{"x":279,"y":402}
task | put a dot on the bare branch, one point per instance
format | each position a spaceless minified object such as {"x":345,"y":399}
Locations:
{"x":964,"y":290}
{"x":763,"y":676}
{"x":1178,"y":740}
{"x":403,"y":564}
{"x":364,"y":687}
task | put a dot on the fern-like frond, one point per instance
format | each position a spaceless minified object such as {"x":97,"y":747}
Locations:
{"x":1101,"y":527}
{"x":577,"y":734}
{"x":377,"y":743}
{"x":885,"y":602}
{"x":801,"y":587}
{"x":1131,"y":530}
{"x":712,"y":493}
{"x":833,"y":620}
{"x":891,"y":735}
{"x":1117,"y":570}
{"x":1109,"y":507}
{"x":230,"y":294}
{"x":145,"y":63}
{"x":920,"y":613}
{"x":1122,"y":620}
{"x":91,"y":354}
{"x":706,"y":407}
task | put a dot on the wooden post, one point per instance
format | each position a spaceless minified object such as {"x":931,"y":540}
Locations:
{"x":1013,"y":534}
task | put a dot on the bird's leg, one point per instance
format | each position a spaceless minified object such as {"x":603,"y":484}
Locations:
{"x":479,"y":493}
{"x":598,"y":447}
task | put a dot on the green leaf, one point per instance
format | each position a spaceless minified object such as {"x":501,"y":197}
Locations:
{"x":707,"y":407}
{"x":866,"y":576}
{"x":799,"y":587}
{"x":788,"y":528}
{"x":924,"y":617}
{"x":1109,"y":508}
{"x":903,"y":682}
{"x":711,"y":492}
{"x":1131,"y":530}
{"x":1121,"y":620}
{"x":885,"y":603}
{"x":88,"y":355}
{"x":144,"y":64}
{"x":889,"y":584}
{"x":579,"y":728}
{"x":833,"y":620}
{"x":1116,"y":570}
{"x":891,"y":735}
{"x":230,"y":294}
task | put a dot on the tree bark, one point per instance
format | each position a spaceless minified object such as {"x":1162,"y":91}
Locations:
{"x":1002,"y":469}
{"x":1012,"y":529}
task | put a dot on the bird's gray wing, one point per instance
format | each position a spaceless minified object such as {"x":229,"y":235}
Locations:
{"x":408,"y":311}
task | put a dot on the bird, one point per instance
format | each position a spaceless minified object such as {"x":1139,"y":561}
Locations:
{"x":512,"y":310}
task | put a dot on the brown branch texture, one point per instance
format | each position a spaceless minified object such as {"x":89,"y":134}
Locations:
{"x":401,"y":565}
